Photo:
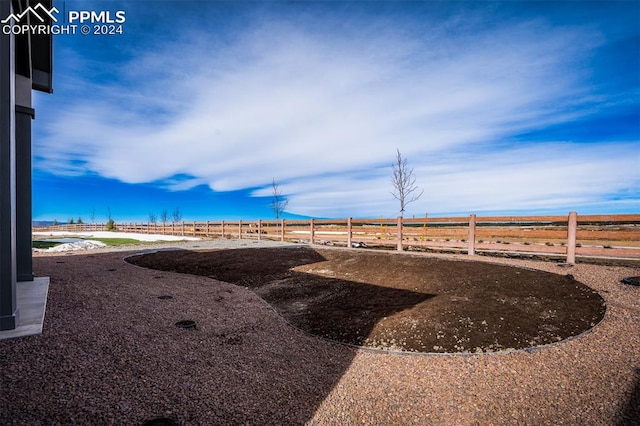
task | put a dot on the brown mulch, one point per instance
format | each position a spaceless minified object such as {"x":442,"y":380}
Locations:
{"x":401,"y":302}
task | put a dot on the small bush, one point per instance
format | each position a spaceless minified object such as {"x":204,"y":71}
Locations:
{"x":111,"y":225}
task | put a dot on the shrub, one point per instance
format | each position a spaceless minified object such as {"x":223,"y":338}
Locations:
{"x":111,"y":225}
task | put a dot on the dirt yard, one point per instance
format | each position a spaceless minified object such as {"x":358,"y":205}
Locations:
{"x":401,"y":302}
{"x":110,"y":353}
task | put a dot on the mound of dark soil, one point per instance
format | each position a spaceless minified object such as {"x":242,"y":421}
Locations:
{"x":401,"y":302}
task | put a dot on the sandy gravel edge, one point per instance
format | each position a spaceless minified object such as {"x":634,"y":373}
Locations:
{"x":589,"y":379}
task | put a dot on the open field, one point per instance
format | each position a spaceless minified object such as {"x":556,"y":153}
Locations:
{"x":573,"y":238}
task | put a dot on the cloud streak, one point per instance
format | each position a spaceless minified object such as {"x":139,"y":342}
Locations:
{"x":322,"y":110}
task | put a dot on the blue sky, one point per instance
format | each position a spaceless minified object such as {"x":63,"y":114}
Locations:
{"x":499,"y":108}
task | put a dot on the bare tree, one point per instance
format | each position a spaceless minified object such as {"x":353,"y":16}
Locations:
{"x":404,"y":183}
{"x":279,"y":201}
{"x":152,"y":217}
{"x":111,"y":224}
{"x":164,"y":216}
{"x":177,"y":215}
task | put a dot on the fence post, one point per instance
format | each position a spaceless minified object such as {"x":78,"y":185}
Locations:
{"x":222,"y":223}
{"x":282,"y":224}
{"x":182,"y":229}
{"x":311,"y":231}
{"x":240,"y":229}
{"x":571,"y":237}
{"x":472,"y":235}
{"x":259,"y":229}
{"x":349,"y":228}
{"x":399,"y":229}
{"x":206,"y":234}
{"x":424,"y":227}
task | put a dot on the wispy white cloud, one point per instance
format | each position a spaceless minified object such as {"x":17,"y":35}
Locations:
{"x":323,"y":112}
{"x":541,"y":177}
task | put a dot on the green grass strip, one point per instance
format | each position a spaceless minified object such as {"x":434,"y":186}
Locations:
{"x":108,"y":241}
{"x":117,"y":241}
{"x":44,"y":244}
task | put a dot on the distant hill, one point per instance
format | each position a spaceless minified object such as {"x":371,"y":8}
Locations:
{"x":39,"y":223}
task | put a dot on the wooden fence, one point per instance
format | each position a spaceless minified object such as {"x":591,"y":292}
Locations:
{"x":568,"y":237}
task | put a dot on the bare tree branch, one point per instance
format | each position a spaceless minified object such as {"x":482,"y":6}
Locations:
{"x":279,"y":202}
{"x":164,"y":216}
{"x":176,"y":215}
{"x":404,"y":183}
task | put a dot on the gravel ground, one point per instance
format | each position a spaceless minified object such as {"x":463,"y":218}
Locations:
{"x":110,"y":354}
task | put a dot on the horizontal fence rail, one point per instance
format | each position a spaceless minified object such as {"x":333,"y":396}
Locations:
{"x":596,"y":236}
